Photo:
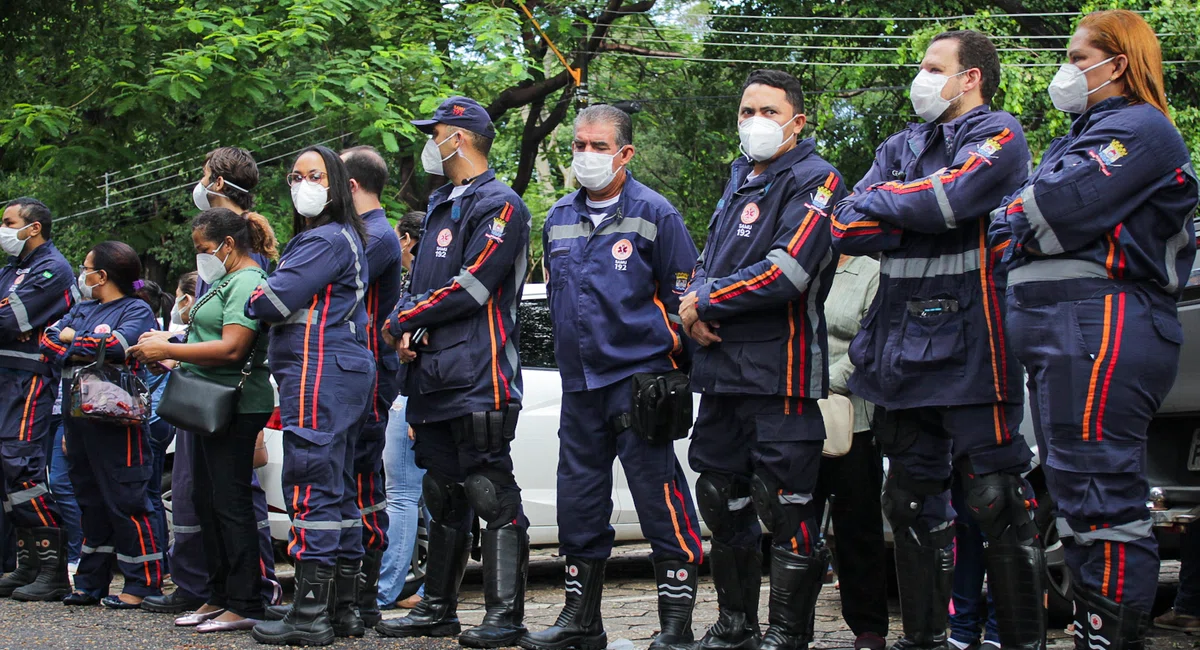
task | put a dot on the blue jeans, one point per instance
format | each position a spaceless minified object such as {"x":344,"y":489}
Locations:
{"x":969,"y":569}
{"x":1187,"y":601}
{"x":403,"y":498}
{"x":64,"y":494}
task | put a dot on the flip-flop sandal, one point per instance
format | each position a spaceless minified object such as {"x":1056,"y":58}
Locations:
{"x":114,"y":602}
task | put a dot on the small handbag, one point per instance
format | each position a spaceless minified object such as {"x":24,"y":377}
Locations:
{"x":199,"y":405}
{"x":838,"y":412}
{"x":108,"y":393}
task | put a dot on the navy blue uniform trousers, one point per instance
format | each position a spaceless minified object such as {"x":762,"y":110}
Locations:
{"x":587,"y":447}
{"x":437,"y":452}
{"x":738,"y":435}
{"x":26,"y":401}
{"x":1101,"y":356}
{"x":927,"y":443}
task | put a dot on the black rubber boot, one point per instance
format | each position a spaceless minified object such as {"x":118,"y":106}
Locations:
{"x":437,"y":613}
{"x":579,"y":624}
{"x":795,"y":584}
{"x":52,"y":582}
{"x":505,"y":566}
{"x":676,"y":599}
{"x":368,"y":588}
{"x":344,"y":612}
{"x":307,"y":622}
{"x":737,"y":576}
{"x":277,"y":612}
{"x":1110,"y":625}
{"x":173,"y":603}
{"x":1016,"y":582}
{"x":925,"y":572}
{"x":1079,"y":620}
{"x":27,"y":565}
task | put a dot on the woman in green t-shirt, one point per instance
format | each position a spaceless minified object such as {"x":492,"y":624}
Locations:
{"x":218,"y":342}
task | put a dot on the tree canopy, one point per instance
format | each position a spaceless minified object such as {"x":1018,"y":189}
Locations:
{"x":107,"y":107}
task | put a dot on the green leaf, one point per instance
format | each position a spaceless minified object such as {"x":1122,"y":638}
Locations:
{"x":195,"y":26}
{"x":389,"y":141}
{"x":204,"y":63}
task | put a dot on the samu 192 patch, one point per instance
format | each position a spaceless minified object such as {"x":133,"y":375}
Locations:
{"x":681,"y":281}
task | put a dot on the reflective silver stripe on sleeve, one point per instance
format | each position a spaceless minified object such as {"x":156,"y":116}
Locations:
{"x":790,"y":267}
{"x":573,"y":231}
{"x":186,"y":530}
{"x":738,"y":504}
{"x":473,"y":286}
{"x":375,"y":508}
{"x":75,"y":296}
{"x":275,"y":301}
{"x":17,"y":498}
{"x":265,"y":523}
{"x":351,"y":523}
{"x":141,"y":559}
{"x":316,"y":525}
{"x":818,"y":375}
{"x":794,"y":499}
{"x":928,"y":267}
{"x":631,"y":224}
{"x":121,"y":339}
{"x":19,"y":312}
{"x":943,"y":201}
{"x":96,"y":549}
{"x":32,"y":356}
{"x":1051,"y":270}
{"x":1042,"y":232}
{"x":1130,"y":532}
{"x":298,"y":316}
{"x":359,"y":289}
{"x":674,"y":318}
{"x":1176,"y":243}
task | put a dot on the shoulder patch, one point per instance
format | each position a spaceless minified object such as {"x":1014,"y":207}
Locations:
{"x":1113,"y":152}
{"x":47,"y":274}
{"x":681,"y":281}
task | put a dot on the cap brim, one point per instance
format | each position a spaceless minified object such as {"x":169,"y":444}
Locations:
{"x":425,"y":126}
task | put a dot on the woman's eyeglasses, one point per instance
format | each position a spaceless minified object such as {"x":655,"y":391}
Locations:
{"x":313,"y":176}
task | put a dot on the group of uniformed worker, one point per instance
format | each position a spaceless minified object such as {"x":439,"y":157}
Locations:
{"x":989,"y":271}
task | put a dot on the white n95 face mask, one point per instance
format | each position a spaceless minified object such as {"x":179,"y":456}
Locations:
{"x":431,"y":156}
{"x":309,"y":198}
{"x":926,"y":94}
{"x":200,"y":194}
{"x":11,"y":242}
{"x":1068,"y":90}
{"x":594,"y":170}
{"x":209,"y":267}
{"x":85,"y":290}
{"x":761,"y":138}
{"x":177,"y":310}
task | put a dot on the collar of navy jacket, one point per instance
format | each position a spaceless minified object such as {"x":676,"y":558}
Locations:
{"x":742,"y":166}
{"x":442,"y":194}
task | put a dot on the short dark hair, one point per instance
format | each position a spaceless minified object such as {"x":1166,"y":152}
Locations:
{"x":120,"y":262}
{"x":621,"y":122}
{"x":781,"y":80}
{"x":32,"y":210}
{"x":410,"y":224}
{"x":158,"y":299}
{"x":367,"y":167}
{"x":479,"y":142}
{"x":976,"y":51}
{"x":237,"y":166}
{"x":187,"y":283}
{"x":340,"y":208}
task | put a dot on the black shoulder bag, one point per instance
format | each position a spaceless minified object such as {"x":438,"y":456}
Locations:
{"x":200,"y":405}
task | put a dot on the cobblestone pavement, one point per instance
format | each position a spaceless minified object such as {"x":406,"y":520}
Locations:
{"x":629,"y":615}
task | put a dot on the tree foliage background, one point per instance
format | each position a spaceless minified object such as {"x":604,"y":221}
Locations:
{"x":107,"y":107}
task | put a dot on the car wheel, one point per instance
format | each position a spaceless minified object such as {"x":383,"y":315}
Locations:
{"x":420,"y":557}
{"x":1059,"y":601}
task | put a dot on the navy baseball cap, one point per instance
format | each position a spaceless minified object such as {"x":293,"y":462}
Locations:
{"x":463,"y":112}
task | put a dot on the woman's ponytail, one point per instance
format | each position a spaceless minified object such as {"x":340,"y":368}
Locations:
{"x":262,"y":235}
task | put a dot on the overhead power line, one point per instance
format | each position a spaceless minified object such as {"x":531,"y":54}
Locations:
{"x":1044,"y":14}
{"x":834,"y":64}
{"x":638,"y":40}
{"x":999,"y":37}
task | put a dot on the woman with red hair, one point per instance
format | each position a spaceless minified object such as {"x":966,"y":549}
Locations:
{"x":1097,"y":246}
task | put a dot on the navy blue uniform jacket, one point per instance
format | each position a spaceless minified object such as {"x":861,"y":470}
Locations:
{"x":35,"y":291}
{"x":763,"y":278}
{"x":1113,"y":199}
{"x":614,"y":290}
{"x":466,"y":284}
{"x":384,"y":271}
{"x":935,"y":334}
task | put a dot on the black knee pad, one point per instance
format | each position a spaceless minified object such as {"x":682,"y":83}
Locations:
{"x":904,"y":497}
{"x":781,"y":519}
{"x":445,"y":499}
{"x":714,"y":494}
{"x":488,"y":502}
{"x":997,"y":502}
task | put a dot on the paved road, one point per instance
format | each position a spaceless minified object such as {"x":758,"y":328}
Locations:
{"x":629,"y":613}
